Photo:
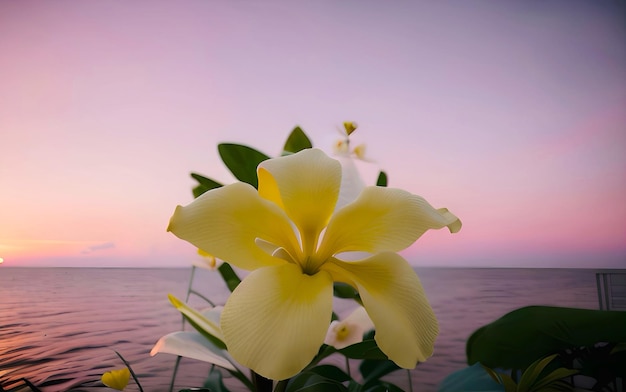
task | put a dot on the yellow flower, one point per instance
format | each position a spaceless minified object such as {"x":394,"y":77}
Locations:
{"x":350,"y":330}
{"x":116,"y":379}
{"x":297,"y":241}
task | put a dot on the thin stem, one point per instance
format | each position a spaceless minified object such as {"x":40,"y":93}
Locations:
{"x":408,"y":373}
{"x":348,"y":366}
{"x":130,"y":369}
{"x":175,"y":371}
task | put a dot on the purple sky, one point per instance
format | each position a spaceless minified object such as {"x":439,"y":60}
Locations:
{"x":510,"y":114}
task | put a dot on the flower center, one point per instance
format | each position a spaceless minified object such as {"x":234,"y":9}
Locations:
{"x":342,"y":332}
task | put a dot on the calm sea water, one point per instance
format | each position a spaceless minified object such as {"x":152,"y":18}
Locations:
{"x":59,"y":326}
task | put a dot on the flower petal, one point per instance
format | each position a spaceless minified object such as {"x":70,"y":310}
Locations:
{"x":306,"y":186}
{"x":116,"y":379}
{"x":208,"y":321}
{"x":226,"y":221}
{"x":351,"y":182}
{"x":349,"y":331}
{"x":276,"y":319}
{"x":191,"y":344}
{"x":393,"y":296}
{"x":383,"y":219}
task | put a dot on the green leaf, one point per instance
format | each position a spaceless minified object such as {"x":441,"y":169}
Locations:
{"x":331,"y":372}
{"x":367,"y":349}
{"x":532,"y":373}
{"x":229,"y":275}
{"x":354,"y":386}
{"x":384,"y":386}
{"x":382,"y":179}
{"x":214,"y":382}
{"x":205,"y":184}
{"x":518,"y":338}
{"x":323,"y":386}
{"x":373,"y":370}
{"x":344,"y":290}
{"x":296,"y":141}
{"x":200,"y":390}
{"x":312,"y":382}
{"x":507,"y":381}
{"x":552,"y":378}
{"x":198,"y":321}
{"x":492,"y":373}
{"x":242,"y":161}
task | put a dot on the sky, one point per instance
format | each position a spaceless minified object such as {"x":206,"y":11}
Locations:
{"x":510,"y":114}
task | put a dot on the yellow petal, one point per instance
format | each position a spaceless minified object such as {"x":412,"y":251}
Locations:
{"x":191,"y":344}
{"x":208,"y":324}
{"x":350,"y":127}
{"x":306,"y":185}
{"x":116,"y":379}
{"x":383,"y":219}
{"x":226,"y":221}
{"x":275,"y":321}
{"x":393,"y":296}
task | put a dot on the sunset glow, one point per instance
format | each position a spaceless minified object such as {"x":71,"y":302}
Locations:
{"x":511,"y":114}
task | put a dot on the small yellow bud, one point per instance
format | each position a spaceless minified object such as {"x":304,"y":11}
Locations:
{"x":359,"y":151}
{"x":350,"y":127}
{"x":116,"y":379}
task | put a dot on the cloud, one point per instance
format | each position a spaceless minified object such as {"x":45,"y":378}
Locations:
{"x":98,"y":247}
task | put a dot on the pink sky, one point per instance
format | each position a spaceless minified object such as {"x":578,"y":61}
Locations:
{"x":510,"y":114}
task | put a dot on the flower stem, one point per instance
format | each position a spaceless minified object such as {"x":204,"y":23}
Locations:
{"x":130,"y":369}
{"x":261,"y":384}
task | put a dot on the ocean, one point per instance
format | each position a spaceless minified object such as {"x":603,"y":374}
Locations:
{"x":59,"y":327}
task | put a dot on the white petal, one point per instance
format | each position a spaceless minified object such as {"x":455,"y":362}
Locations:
{"x":191,"y":344}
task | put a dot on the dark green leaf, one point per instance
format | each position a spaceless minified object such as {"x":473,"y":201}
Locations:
{"x":331,"y":372}
{"x":198,"y":390}
{"x":366,"y":349}
{"x":383,"y":386}
{"x":343,"y":290}
{"x":214,"y":382}
{"x":242,"y":161}
{"x":229,"y":275}
{"x":205,"y":184}
{"x":518,"y":338}
{"x":382,"y":179}
{"x":374,"y":369}
{"x":296,"y":141}
{"x":323,"y":386}
{"x":354,"y":386}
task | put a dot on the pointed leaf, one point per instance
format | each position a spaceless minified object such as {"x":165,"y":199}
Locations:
{"x":492,"y":373}
{"x":214,"y":382}
{"x":373,"y":370}
{"x":331,"y":372}
{"x":205,"y":184}
{"x":199,"y":322}
{"x":382,"y":179}
{"x":242,"y":161}
{"x":532,"y":373}
{"x":367,"y":349}
{"x":509,"y":384}
{"x":230,"y":276}
{"x":296,"y":141}
{"x":552,"y":378}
